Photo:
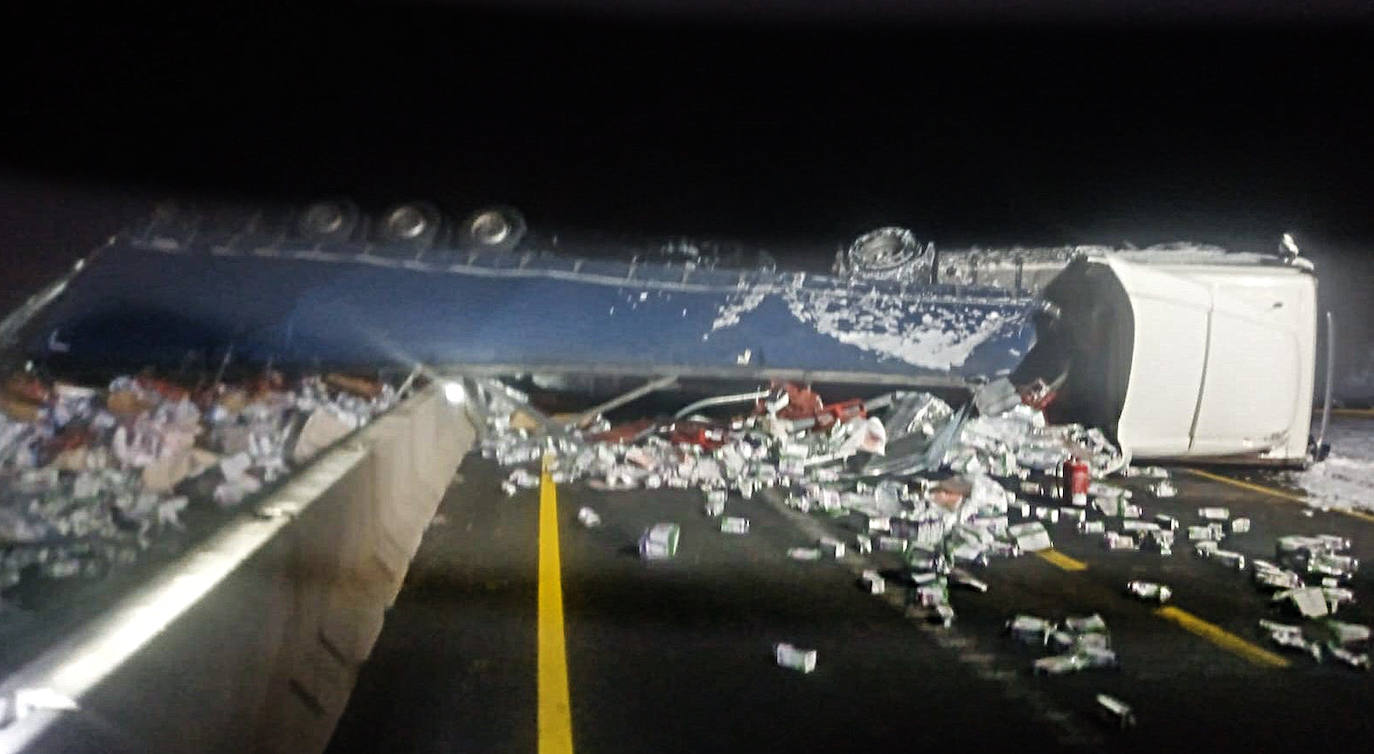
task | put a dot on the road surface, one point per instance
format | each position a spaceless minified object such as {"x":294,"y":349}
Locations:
{"x":676,"y":656}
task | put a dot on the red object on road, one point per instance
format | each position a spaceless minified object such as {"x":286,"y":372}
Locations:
{"x":623,"y":432}
{"x":1076,"y":480}
{"x":840,"y":412}
{"x":804,"y":405}
{"x":1038,"y":395}
{"x":707,"y":436}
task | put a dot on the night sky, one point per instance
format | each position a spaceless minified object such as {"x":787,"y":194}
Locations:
{"x":793,"y":130}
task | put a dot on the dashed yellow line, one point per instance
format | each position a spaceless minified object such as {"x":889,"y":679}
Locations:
{"x":1364,"y":413}
{"x":1221,"y":637}
{"x":555,"y":710}
{"x":1063,"y":561}
{"x":1271,"y":492}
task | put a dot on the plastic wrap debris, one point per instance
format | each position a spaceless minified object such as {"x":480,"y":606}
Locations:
{"x":91,"y":478}
{"x":1115,"y":711}
{"x":1205,"y":548}
{"x":892,"y":544}
{"x":1204,"y":534}
{"x":1081,"y":642}
{"x":1108,"y":506}
{"x":1309,"y":602}
{"x":965,"y":579}
{"x":1149,"y":591}
{"x":1031,"y":536}
{"x":1356,"y":660}
{"x":1343,"y":633}
{"x":1082,"y":659}
{"x":1317,"y":555}
{"x":832,"y":547}
{"x":588,"y":517}
{"x":996,"y":397}
{"x":1336,"y":597}
{"x":1158,"y":540}
{"x":1291,"y":637}
{"x":1088,"y":624}
{"x":1229,"y":558}
{"x":1092,"y":527}
{"x":1115,"y":541}
{"x":1270,"y":576}
{"x":659,"y":542}
{"x":942,"y":614}
{"x":734,"y":525}
{"x":788,"y":656}
{"x":1030,"y":629}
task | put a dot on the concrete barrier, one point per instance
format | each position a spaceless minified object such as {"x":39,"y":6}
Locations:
{"x":252,"y":641}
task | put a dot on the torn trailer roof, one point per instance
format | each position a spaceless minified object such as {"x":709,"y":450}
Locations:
{"x":147,"y":305}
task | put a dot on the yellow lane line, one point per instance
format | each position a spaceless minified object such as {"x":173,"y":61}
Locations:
{"x":555,"y":711}
{"x":1271,"y":491}
{"x":1063,"y":561}
{"x":1361,"y":412}
{"x":1221,"y":637}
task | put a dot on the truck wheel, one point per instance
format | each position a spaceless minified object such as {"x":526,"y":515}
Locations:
{"x":493,"y":228}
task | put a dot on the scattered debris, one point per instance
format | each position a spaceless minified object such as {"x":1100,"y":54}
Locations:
{"x":659,"y":542}
{"x":1081,"y":642}
{"x":1116,"y":711}
{"x":1310,"y":602}
{"x":1114,"y":541}
{"x":588,"y":517}
{"x":965,"y":579}
{"x":734,"y":525}
{"x":943,"y":614}
{"x":1291,"y":637}
{"x":940,"y":490}
{"x":1356,"y":660}
{"x":1149,"y":591}
{"x":1031,"y":536}
{"x":832,"y":547}
{"x":1030,"y":629}
{"x":91,"y":478}
{"x":788,"y":656}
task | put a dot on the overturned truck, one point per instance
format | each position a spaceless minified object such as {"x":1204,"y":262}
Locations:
{"x":1177,"y":352}
{"x":1184,"y":352}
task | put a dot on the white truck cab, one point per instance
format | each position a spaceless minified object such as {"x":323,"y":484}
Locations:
{"x":1204,"y":357}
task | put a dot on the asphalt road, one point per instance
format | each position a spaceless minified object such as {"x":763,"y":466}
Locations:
{"x":677,"y":655}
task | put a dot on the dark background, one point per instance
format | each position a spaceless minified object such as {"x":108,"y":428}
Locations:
{"x":791,"y":126}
